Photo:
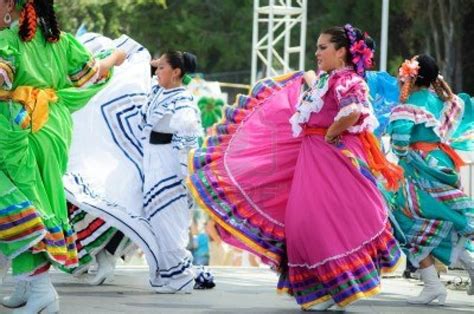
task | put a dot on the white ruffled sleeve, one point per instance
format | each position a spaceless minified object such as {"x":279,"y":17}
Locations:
{"x":352,"y":94}
{"x":310,"y":101}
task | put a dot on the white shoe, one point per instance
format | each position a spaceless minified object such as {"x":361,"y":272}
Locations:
{"x":105,"y":268}
{"x":167,"y":289}
{"x":19,"y":296}
{"x":320,"y":307}
{"x":42,"y":297}
{"x":467,"y":261}
{"x":433,"y":288}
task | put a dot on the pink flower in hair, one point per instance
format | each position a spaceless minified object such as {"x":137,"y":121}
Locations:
{"x":408,"y":70}
{"x":361,"y":54}
{"x":360,"y":51}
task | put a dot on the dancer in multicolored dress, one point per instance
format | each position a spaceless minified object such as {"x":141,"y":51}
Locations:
{"x":309,"y":205}
{"x":435,"y":215}
{"x":41,"y":71}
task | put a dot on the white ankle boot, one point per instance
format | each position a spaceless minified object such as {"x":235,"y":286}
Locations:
{"x":42,"y":297}
{"x":105,"y":268}
{"x":19,"y":296}
{"x":433,"y":288}
{"x":467,"y":260}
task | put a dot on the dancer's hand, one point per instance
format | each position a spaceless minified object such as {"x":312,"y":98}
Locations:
{"x":120,"y":57}
{"x":115,"y":59}
{"x":154,"y":63}
{"x":309,"y":77}
{"x":332,"y":139}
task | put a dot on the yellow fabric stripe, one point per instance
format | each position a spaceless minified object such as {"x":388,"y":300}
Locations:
{"x":20,"y":228}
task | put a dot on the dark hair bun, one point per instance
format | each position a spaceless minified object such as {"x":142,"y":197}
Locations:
{"x":365,"y":37}
{"x":370,"y":42}
{"x":428,"y":72}
{"x":190,"y":62}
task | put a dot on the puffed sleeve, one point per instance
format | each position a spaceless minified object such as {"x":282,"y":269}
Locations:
{"x":83,"y":69}
{"x":186,"y":125}
{"x":8,"y":58}
{"x":352,"y":95}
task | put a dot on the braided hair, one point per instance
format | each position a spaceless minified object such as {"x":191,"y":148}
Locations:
{"x":40,"y":12}
{"x":424,"y":72}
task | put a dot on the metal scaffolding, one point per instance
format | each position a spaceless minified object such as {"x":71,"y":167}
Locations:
{"x":272,"y":44}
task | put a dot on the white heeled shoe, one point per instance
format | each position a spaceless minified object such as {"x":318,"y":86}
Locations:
{"x":433,"y":288}
{"x":105,"y":269}
{"x":320,"y":307}
{"x":42,"y":297}
{"x":19,"y":296}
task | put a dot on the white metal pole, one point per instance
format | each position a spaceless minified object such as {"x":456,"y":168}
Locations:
{"x":384,"y":35}
{"x":271,"y":15}
{"x":287,"y":46}
{"x":304,"y":6}
{"x":253,"y":74}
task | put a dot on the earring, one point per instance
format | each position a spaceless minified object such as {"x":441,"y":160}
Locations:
{"x":7,"y":18}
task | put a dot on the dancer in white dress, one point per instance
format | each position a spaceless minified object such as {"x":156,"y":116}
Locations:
{"x":131,"y":160}
{"x":171,"y":127}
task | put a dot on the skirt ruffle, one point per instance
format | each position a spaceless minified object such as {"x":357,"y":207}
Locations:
{"x":345,"y":279}
{"x":241,"y":200}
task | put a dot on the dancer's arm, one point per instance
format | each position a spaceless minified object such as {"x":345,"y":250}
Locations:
{"x":340,"y":126}
{"x":115,"y":59}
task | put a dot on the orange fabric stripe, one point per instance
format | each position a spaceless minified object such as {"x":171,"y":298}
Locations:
{"x":15,"y":217}
{"x":315,"y":131}
{"x":429,"y":147}
{"x":378,"y":163}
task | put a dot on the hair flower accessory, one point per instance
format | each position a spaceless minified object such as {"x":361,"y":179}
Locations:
{"x":362,"y":55}
{"x":408,"y":70}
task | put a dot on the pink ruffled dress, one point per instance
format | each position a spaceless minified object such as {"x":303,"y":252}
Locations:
{"x":311,"y":209}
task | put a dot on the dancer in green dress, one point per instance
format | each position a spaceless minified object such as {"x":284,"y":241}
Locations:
{"x":435,"y":215}
{"x":45,"y":75}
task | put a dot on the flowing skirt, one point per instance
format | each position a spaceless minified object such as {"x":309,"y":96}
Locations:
{"x":309,"y":209}
{"x":434,"y":214}
{"x":105,"y":174}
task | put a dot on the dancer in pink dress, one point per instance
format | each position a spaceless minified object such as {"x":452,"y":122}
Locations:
{"x":310,"y":204}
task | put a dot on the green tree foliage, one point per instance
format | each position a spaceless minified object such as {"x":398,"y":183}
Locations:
{"x":219,"y":32}
{"x":109,"y":17}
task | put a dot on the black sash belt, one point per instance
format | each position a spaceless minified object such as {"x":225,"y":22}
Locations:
{"x":160,"y":138}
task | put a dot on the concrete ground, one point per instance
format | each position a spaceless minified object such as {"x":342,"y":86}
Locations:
{"x":238,"y":290}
